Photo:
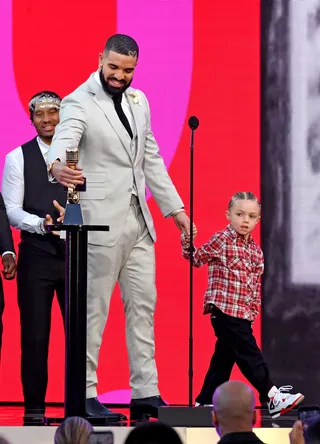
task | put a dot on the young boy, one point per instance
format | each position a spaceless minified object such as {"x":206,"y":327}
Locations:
{"x":235,"y":265}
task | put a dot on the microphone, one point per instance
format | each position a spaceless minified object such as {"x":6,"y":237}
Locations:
{"x":193,"y":122}
{"x":72,"y":157}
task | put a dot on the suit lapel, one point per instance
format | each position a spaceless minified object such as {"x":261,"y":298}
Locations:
{"x":107,"y":106}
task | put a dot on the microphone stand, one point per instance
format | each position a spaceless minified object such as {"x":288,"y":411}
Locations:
{"x":193,"y":124}
{"x":191,"y":272}
{"x":188,"y":416}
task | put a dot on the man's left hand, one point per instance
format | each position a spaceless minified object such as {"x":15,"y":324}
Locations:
{"x":9,"y":266}
{"x":183,"y":223}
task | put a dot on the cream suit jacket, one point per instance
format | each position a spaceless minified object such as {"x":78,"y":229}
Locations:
{"x":112,"y":162}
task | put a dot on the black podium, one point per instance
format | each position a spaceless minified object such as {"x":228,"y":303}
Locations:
{"x":75,"y":316}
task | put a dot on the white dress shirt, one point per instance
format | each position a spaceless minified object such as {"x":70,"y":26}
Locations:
{"x":126,"y":109}
{"x":13,"y":190}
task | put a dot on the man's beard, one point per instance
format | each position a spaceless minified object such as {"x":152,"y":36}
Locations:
{"x":111,"y":90}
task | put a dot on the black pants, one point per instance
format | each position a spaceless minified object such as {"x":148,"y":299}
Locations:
{"x":39,"y":275}
{"x":235,"y":345}
{"x":1,"y":313}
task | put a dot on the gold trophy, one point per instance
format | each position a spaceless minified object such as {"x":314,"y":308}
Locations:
{"x":73,"y":214}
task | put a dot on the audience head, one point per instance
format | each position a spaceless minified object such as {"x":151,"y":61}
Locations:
{"x":233,"y":408}
{"x":153,"y":433}
{"x":73,"y":430}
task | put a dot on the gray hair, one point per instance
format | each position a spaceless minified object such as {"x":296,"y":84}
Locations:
{"x":243,"y":195}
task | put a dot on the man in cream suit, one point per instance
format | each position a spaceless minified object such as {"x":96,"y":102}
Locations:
{"x":110,"y":124}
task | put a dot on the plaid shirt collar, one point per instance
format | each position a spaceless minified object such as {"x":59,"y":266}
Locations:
{"x":233,"y":234}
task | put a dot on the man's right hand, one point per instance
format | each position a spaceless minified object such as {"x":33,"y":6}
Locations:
{"x":67,"y":176}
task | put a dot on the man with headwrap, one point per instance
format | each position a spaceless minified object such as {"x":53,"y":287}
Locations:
{"x":32,"y":203}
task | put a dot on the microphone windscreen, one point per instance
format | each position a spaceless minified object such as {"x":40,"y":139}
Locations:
{"x":193,"y":122}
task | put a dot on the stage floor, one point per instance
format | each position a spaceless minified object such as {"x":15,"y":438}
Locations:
{"x":269,"y":431}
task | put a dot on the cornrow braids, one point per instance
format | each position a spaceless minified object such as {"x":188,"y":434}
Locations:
{"x":243,"y":195}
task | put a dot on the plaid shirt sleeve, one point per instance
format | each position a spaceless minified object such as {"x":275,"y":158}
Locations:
{"x":204,"y":254}
{"x":256,"y":300}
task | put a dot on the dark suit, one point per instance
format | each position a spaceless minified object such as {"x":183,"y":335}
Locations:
{"x":241,"y":438}
{"x":6,"y":244}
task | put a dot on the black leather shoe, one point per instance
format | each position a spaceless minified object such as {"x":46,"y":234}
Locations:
{"x":33,"y":417}
{"x":95,"y":409}
{"x":145,"y":408}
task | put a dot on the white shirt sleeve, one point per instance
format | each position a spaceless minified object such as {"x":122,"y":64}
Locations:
{"x":13,"y":194}
{"x":9,"y":252}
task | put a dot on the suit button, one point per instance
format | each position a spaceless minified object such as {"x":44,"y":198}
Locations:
{"x":130,"y":190}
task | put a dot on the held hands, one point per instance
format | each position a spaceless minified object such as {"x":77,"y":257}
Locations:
{"x":194,"y":234}
{"x":9,"y":266}
{"x":182,"y":221}
{"x":49,"y":221}
{"x":67,"y":176}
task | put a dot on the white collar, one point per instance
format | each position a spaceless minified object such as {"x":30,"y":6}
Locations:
{"x":43,"y":146}
{"x":97,"y":78}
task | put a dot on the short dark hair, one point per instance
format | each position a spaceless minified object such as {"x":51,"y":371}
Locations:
{"x":122,"y":44}
{"x":40,"y":93}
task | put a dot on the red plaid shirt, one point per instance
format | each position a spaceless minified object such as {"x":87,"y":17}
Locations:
{"x":235,"y":266}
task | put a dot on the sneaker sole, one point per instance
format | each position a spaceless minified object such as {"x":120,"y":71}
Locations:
{"x":289,"y":408}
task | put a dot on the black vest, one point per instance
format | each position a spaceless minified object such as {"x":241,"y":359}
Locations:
{"x":39,"y":194}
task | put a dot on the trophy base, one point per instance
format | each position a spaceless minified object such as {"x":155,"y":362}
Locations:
{"x":73,"y":215}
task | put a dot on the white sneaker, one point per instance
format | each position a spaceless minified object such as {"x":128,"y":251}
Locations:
{"x":197,"y":404}
{"x":281,"y":402}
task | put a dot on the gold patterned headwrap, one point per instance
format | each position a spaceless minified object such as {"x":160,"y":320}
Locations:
{"x":44,"y":100}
